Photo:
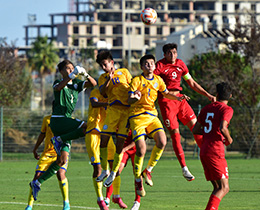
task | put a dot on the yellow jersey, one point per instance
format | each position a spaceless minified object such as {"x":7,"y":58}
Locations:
{"x":96,"y":116}
{"x":118,"y":87}
{"x":48,"y":146}
{"x":149,"y":89}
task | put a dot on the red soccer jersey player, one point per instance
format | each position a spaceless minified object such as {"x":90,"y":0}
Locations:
{"x":212,"y":122}
{"x":171,"y":70}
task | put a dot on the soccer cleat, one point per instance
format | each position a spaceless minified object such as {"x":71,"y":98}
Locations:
{"x":107,"y":201}
{"x":35,"y":189}
{"x":187,"y":175}
{"x":147,"y":177}
{"x":102,"y":205}
{"x":140,"y":188}
{"x":136,"y":206}
{"x":109,"y":180}
{"x":56,"y":144}
{"x":102,"y":176}
{"x":66,"y":205}
{"x":28,"y":208}
{"x":120,"y":203}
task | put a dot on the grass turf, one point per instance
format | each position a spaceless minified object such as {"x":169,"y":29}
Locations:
{"x":170,"y":190}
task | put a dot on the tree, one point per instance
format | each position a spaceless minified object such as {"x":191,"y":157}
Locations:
{"x":239,"y":65}
{"x":15,"y":80}
{"x":43,"y":58}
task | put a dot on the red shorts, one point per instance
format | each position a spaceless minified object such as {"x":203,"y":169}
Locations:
{"x":215,"y":168}
{"x":172,"y":110}
{"x":129,"y":154}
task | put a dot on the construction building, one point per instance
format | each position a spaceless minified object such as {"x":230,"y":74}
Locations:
{"x":116,"y":25}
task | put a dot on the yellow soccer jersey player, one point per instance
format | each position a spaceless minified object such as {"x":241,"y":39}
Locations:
{"x":47,"y":157}
{"x":143,"y":119}
{"x":114,"y":84}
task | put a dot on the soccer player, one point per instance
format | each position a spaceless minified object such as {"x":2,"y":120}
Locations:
{"x":171,"y":70}
{"x":96,"y":118}
{"x":129,"y":151}
{"x":212,"y":123}
{"x":113,"y":84}
{"x":47,"y":157}
{"x":64,"y":127}
{"x":143,"y":118}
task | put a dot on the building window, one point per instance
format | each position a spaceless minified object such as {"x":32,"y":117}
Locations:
{"x":146,"y":42}
{"x":89,"y":30}
{"x":147,"y":30}
{"x":253,"y":7}
{"x":236,"y":6}
{"x":172,"y":30}
{"x":137,"y":30}
{"x":224,"y":7}
{"x":75,"y":29}
{"x":89,"y":42}
{"x":76,"y":42}
{"x":159,"y":30}
{"x":128,"y":30}
{"x":102,"y":30}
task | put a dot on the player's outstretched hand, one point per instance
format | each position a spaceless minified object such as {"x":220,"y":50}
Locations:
{"x":183,"y":97}
{"x":212,"y":98}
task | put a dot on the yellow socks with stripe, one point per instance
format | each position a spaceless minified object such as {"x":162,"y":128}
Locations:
{"x":155,"y":156}
{"x":103,"y":158}
{"x":116,"y":185}
{"x":30,"y":198}
{"x":138,"y":166}
{"x":98,"y":188}
{"x":117,"y":160}
{"x":64,"y":187}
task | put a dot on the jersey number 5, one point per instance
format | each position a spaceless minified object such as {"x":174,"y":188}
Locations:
{"x":209,"y":122}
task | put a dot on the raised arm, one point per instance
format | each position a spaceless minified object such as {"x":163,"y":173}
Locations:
{"x":170,"y":95}
{"x":196,"y":87}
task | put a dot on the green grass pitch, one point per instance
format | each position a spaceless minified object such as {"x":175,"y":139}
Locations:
{"x":170,"y":190}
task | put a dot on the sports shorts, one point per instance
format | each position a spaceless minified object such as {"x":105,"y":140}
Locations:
{"x":144,"y":124}
{"x":215,"y":168}
{"x":64,"y":125}
{"x":172,"y":110}
{"x":46,"y":160}
{"x":116,"y":121}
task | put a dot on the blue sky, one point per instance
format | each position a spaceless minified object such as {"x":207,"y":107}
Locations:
{"x":14,"y":15}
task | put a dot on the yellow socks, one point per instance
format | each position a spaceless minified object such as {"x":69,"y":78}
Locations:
{"x":117,"y":161}
{"x":98,"y":188}
{"x":116,"y":185}
{"x":155,"y":156}
{"x":64,"y":187}
{"x":138,"y":166}
{"x":30,"y":198}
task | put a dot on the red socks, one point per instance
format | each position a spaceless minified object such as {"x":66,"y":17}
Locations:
{"x":213,"y":203}
{"x":176,"y":144}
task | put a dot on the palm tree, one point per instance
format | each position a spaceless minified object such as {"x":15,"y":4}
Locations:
{"x":43,"y":58}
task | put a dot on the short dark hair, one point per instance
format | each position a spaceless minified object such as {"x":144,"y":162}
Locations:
{"x":145,"y":57}
{"x":104,"y":55}
{"x":224,"y":91}
{"x":63,"y":64}
{"x":169,"y":46}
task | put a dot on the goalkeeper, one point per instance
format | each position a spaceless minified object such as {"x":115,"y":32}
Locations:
{"x":63,"y":126}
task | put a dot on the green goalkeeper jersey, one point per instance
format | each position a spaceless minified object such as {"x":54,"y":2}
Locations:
{"x":66,"y":99}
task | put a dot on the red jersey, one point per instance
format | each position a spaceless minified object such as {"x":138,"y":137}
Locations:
{"x":171,"y":73}
{"x":210,"y":118}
